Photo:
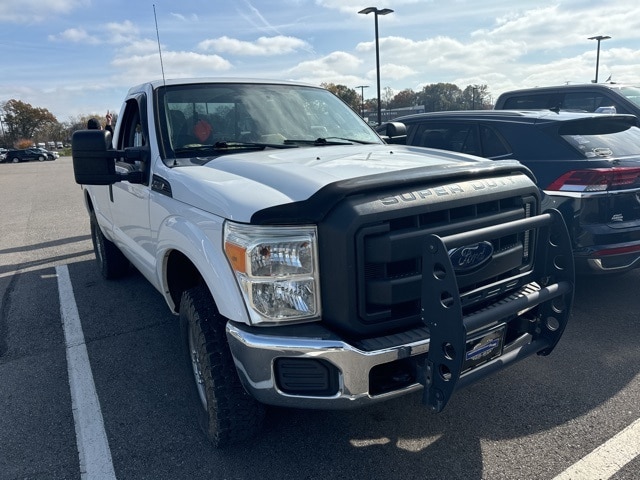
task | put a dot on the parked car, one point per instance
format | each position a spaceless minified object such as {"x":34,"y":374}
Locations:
{"x":51,"y":155}
{"x":587,"y":164}
{"x":590,"y":97}
{"x":25,"y":155}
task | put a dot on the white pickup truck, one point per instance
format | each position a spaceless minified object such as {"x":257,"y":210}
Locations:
{"x":311,"y":264}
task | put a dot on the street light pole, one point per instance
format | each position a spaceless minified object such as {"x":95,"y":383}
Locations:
{"x":376,"y":12}
{"x":599,"y":38}
{"x":362,"y":87}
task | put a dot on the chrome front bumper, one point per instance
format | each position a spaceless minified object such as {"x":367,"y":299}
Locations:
{"x":255,"y":356}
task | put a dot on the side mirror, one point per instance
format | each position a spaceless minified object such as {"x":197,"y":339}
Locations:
{"x":395,"y":129}
{"x":93,"y":159}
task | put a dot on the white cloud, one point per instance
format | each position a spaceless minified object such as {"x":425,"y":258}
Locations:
{"x":139,"y":47}
{"x":335,"y":63}
{"x":29,"y":11}
{"x":138,"y":68}
{"x":354,"y":6}
{"x":185,"y":18}
{"x":340,"y":68}
{"x":123,"y":32}
{"x":263,"y":46}
{"x":396,"y":72}
{"x":75,"y":35}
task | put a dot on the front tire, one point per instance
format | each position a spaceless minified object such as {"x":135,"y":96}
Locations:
{"x":225,"y":411}
{"x":111,"y":261}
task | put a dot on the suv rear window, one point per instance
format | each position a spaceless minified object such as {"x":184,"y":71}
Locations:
{"x":608,"y":139}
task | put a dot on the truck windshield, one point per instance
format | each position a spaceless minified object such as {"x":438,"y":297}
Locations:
{"x":207,"y":120}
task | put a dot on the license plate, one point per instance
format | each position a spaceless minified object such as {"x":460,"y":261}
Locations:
{"x":484,"y":347}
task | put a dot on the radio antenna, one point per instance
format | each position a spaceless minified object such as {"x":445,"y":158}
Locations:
{"x":159,"y":49}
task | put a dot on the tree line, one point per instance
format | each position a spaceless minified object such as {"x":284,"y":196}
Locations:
{"x":434,"y":98}
{"x":22,"y":125}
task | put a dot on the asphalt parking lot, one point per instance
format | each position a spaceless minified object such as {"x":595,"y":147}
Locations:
{"x":572,"y":415}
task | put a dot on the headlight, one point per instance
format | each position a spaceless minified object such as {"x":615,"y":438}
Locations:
{"x":277,"y":270}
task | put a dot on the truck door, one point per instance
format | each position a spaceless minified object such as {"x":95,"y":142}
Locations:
{"x":130,"y":201}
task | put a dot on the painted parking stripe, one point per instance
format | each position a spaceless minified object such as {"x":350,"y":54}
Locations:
{"x":606,"y":460}
{"x":91,"y":439}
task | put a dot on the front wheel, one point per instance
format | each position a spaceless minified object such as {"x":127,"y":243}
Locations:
{"x":225,"y":411}
{"x":112,"y":262}
{"x":15,"y":160}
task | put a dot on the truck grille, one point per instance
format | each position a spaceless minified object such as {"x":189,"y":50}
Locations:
{"x":390,"y":282}
{"x":372,"y":250}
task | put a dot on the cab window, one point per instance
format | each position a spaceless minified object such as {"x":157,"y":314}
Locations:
{"x":589,"y":102}
{"x":132,"y":131}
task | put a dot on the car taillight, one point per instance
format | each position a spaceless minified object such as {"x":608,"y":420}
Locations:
{"x":596,"y":179}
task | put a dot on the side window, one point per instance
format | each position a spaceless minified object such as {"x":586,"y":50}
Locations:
{"x":131,"y":133}
{"x":589,"y":101}
{"x":463,"y":138}
{"x":534,"y":101}
{"x":445,"y":136}
{"x":430,"y":135}
{"x":492,"y":144}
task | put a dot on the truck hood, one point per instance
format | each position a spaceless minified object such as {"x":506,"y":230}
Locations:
{"x":236,"y":186}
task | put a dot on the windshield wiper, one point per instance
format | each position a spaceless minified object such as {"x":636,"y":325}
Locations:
{"x":227,"y":146}
{"x":322,"y":141}
{"x":351,"y":140}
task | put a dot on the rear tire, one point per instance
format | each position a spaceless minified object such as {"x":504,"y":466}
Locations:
{"x":225,"y":411}
{"x":15,"y":160}
{"x":111,"y":261}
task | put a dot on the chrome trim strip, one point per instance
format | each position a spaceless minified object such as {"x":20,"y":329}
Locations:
{"x":560,"y":193}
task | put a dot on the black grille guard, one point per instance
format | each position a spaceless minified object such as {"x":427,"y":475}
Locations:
{"x":553,"y":270}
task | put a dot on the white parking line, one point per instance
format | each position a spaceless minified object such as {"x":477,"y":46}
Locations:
{"x":609,"y":458}
{"x":91,"y":439}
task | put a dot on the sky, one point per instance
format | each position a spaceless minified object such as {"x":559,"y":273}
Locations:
{"x":79,"y":57}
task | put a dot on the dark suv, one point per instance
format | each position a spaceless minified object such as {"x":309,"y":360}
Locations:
{"x":24,"y":155}
{"x":587,"y":164}
{"x":590,"y":97}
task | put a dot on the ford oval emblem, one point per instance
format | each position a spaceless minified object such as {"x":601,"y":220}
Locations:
{"x":470,"y":257}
